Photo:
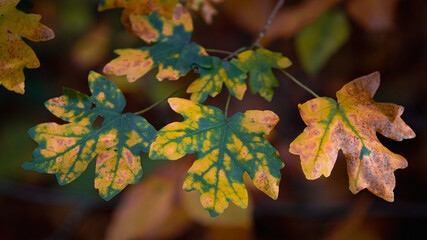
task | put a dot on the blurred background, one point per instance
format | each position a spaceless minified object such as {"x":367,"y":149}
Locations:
{"x":330,"y":42}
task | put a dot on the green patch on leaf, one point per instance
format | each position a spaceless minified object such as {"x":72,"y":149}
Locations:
{"x":259,"y":64}
{"x":66,"y":150}
{"x":172,"y":52}
{"x":225,"y":150}
{"x":316,"y":43}
{"x":212,"y":79}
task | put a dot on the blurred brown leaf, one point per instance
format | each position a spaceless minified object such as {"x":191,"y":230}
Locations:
{"x":253,"y":14}
{"x":158,"y":208}
{"x":205,"y":8}
{"x":373,"y":15}
{"x":352,"y":225}
{"x":93,"y":47}
{"x":151,"y":209}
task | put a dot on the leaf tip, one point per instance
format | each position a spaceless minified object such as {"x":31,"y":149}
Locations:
{"x":27,"y":165}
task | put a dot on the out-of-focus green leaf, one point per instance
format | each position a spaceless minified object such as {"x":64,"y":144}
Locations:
{"x":15,"y":147}
{"x":66,"y":150}
{"x":317,"y":42}
{"x":75,"y":16}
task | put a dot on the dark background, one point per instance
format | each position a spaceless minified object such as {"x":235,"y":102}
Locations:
{"x":34,"y":206}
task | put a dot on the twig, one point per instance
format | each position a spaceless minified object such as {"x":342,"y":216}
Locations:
{"x":235,"y":53}
{"x":227,"y":104}
{"x":299,"y":83}
{"x":276,"y":8}
{"x":218,"y":51}
{"x":163,"y":99}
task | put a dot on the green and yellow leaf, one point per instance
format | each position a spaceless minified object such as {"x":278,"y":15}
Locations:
{"x":259,"y":64}
{"x":164,"y":7}
{"x":66,"y":150}
{"x":225,"y":150}
{"x":172,"y":53}
{"x":212,"y":79}
{"x":15,"y":54}
{"x":134,"y":8}
{"x":350,"y":124}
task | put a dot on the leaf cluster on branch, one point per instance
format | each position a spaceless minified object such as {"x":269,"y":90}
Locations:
{"x":225,"y":147}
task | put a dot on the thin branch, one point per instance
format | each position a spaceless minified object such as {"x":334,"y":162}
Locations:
{"x":276,"y":8}
{"x":299,"y":83}
{"x":163,"y":99}
{"x":233,"y":54}
{"x":227,"y":104}
{"x":218,"y":51}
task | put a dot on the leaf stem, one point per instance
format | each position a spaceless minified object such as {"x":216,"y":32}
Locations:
{"x":276,"y":8}
{"x":299,"y":83}
{"x":235,"y":53}
{"x":163,"y":99}
{"x":227,"y":104}
{"x":218,"y":51}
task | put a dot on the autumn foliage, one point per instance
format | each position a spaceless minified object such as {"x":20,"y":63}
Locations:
{"x":232,"y":153}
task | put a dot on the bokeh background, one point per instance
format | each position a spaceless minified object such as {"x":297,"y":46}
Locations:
{"x":388,"y":36}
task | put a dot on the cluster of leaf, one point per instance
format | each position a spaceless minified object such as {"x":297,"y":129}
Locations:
{"x":225,"y":148}
{"x":175,"y":56}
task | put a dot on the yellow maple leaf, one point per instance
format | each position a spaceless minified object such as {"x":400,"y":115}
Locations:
{"x":225,"y":149}
{"x":350,"y":124}
{"x":15,"y":55}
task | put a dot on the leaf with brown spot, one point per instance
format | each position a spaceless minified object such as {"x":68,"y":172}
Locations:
{"x":173,"y":52}
{"x":15,"y":54}
{"x":350,"y":124}
{"x":138,"y":8}
{"x":165,"y":8}
{"x":66,"y":150}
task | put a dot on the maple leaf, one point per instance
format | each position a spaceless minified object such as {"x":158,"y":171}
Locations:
{"x":15,"y":54}
{"x":66,"y":150}
{"x":133,"y":8}
{"x":259,"y":64}
{"x":164,"y":7}
{"x":172,"y":52}
{"x":350,"y":124}
{"x":225,"y":150}
{"x":211,"y":80}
